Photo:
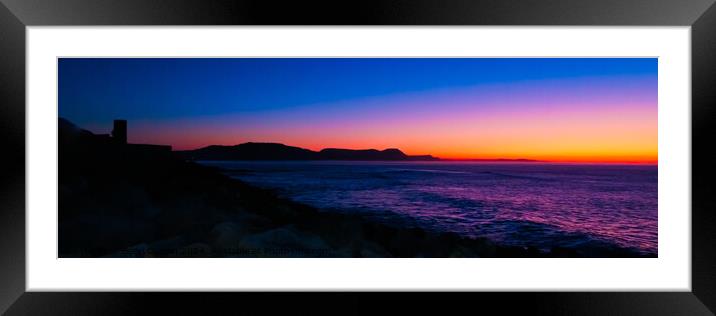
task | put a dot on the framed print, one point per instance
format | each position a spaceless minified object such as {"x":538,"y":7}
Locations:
{"x":561,"y":160}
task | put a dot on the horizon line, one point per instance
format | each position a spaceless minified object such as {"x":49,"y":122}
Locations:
{"x":438,"y":158}
{"x":475,"y":159}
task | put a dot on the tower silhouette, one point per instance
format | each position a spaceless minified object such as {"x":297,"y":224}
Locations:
{"x":119,"y":132}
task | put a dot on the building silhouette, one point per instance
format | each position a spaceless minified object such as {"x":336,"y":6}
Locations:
{"x":118,"y":140}
{"x":119,"y":131}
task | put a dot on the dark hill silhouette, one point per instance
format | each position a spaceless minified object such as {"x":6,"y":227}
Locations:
{"x":69,"y":131}
{"x":250,"y":151}
{"x":275,"y":151}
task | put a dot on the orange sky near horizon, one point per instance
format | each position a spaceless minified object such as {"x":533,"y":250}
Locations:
{"x":617,"y":134}
{"x":551,"y":109}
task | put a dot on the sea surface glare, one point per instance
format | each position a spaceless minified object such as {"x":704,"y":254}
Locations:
{"x":543,"y":205}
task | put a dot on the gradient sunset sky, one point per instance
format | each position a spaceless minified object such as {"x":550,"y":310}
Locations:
{"x":556,"y":109}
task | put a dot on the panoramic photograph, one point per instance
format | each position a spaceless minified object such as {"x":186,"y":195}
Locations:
{"x":357,"y":157}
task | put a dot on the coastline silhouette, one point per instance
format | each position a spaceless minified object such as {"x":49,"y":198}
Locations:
{"x":276,"y":151}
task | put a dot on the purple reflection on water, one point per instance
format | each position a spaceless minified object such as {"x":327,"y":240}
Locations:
{"x":521,"y":204}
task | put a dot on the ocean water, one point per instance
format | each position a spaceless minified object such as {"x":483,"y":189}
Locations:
{"x":542,"y":205}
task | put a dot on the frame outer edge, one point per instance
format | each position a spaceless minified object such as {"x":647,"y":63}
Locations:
{"x":365,"y":12}
{"x":12,"y":120}
{"x":703,"y":81}
{"x":12,"y":131}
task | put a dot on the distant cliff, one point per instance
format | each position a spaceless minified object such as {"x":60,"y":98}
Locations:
{"x":275,"y":151}
{"x":250,"y":151}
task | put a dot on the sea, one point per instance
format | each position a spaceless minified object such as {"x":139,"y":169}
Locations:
{"x":535,"y":204}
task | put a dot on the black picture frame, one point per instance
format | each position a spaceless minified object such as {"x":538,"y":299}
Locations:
{"x":16,"y":15}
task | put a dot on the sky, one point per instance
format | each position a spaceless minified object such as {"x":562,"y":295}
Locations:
{"x":555,"y":109}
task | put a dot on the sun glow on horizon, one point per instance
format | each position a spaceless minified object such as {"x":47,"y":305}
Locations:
{"x":601,"y":110}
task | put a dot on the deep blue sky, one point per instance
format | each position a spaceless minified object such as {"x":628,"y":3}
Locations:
{"x":566,"y":109}
{"x":94,"y":91}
